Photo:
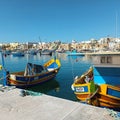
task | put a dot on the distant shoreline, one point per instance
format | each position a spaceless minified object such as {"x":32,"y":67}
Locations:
{"x":103,"y":53}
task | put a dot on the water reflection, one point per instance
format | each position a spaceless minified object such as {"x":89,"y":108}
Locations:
{"x":71,"y":66}
{"x":52,"y":85}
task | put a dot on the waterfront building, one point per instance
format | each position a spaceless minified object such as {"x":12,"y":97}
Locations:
{"x":103,"y":44}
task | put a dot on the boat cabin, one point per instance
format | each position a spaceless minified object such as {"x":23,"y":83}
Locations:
{"x":106,"y":69}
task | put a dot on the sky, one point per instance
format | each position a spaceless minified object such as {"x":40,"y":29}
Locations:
{"x":64,"y":20}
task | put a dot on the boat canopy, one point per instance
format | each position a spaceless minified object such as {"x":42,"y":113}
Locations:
{"x":32,"y":69}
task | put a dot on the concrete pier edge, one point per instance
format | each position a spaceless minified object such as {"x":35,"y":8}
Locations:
{"x":44,"y":107}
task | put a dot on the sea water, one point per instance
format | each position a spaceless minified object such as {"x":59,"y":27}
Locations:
{"x":71,"y":66}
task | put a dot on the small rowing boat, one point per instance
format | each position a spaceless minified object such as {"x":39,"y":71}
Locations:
{"x":34,"y":74}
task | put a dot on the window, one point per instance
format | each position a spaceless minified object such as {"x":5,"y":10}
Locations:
{"x":106,"y":59}
{"x":109,"y":59}
{"x":102,"y":59}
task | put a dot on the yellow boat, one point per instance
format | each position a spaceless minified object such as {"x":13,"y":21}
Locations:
{"x":103,"y":95}
{"x":109,"y":96}
{"x":84,"y":87}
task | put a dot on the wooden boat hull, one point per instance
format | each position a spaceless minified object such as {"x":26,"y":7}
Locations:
{"x":83,"y":88}
{"x":84,"y":92}
{"x":103,"y":95}
{"x":19,"y":79}
{"x":83,"y":97}
{"x":109,"y":96}
{"x":104,"y":101}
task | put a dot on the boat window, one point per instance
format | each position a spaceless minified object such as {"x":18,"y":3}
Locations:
{"x":102,"y":59}
{"x":106,"y":59}
{"x":109,"y":59}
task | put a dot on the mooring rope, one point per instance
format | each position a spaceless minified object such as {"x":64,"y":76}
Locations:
{"x":91,"y":96}
{"x":114,"y":114}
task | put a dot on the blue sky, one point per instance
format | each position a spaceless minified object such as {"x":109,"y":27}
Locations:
{"x":65,"y":20}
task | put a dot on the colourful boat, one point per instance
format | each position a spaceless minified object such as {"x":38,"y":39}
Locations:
{"x":34,"y":74}
{"x":103,"y":95}
{"x":108,"y":96}
{"x":84,"y":86}
{"x":75,"y":53}
{"x":104,"y":89}
{"x":107,"y":76}
{"x":18,"y":53}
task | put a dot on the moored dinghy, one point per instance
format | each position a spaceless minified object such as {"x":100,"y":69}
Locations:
{"x":34,"y":74}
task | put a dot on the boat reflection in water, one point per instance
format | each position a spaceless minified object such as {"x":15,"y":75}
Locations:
{"x":46,"y":87}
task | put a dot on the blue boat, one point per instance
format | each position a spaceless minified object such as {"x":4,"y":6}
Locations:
{"x":75,"y":53}
{"x":106,"y":69}
{"x":34,"y":74}
{"x":104,"y":89}
{"x":107,"y":76}
{"x":18,"y":53}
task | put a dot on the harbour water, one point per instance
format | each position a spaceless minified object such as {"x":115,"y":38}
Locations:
{"x":71,"y":66}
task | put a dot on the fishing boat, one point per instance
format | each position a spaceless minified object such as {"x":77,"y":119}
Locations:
{"x":18,"y":53}
{"x":108,"y":96}
{"x":107,"y":76}
{"x":105,"y":84}
{"x":34,"y":74}
{"x":46,"y":52}
{"x":84,"y":87}
{"x":75,"y":53}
